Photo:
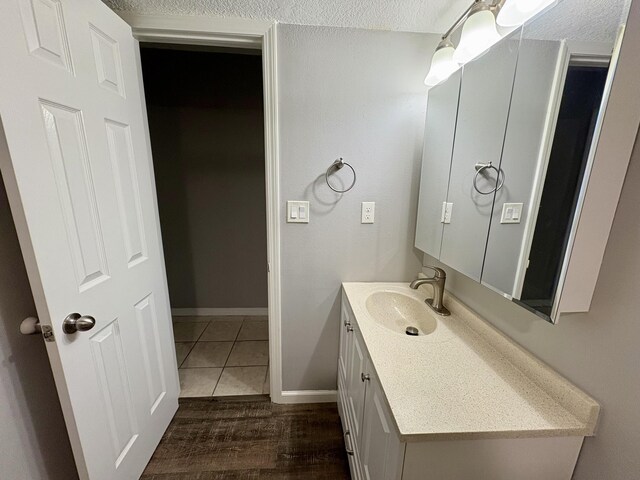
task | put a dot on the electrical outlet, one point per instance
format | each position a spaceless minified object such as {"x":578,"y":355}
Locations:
{"x":368,"y":212}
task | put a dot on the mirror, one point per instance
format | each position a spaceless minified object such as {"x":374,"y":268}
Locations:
{"x":515,"y":147}
{"x":483,"y":109}
{"x":442,"y":114}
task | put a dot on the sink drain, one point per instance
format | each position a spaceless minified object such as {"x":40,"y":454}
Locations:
{"x":412,"y":331}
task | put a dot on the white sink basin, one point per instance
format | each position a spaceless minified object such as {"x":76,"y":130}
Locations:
{"x":396,"y":312}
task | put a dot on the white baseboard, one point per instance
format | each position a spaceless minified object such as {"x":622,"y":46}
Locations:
{"x":197,"y":312}
{"x":308,"y":396}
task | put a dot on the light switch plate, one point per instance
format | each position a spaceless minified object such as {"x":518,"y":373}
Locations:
{"x":297,"y":212}
{"x":447,"y":211}
{"x":368,"y":212}
{"x":511,"y":213}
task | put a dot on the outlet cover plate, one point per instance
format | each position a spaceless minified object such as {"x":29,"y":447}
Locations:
{"x":368,"y":212}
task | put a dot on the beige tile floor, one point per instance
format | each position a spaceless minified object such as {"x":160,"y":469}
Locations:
{"x":222,"y":356}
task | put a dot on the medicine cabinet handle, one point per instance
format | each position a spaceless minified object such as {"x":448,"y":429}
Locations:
{"x":347,"y":434}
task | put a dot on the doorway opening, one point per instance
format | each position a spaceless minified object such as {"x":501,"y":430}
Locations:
{"x":206,"y":119}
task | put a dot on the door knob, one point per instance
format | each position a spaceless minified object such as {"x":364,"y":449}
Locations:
{"x":77,"y":323}
{"x":365,"y":377}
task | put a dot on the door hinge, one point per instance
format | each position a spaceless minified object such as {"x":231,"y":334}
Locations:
{"x":47,"y":333}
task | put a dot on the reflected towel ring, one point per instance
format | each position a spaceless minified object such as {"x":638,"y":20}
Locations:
{"x":335,"y":166}
{"x":480,"y":169}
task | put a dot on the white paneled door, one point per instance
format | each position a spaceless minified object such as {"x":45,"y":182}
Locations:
{"x":76,"y":162}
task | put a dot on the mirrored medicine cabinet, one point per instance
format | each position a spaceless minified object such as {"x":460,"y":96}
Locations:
{"x":510,"y":145}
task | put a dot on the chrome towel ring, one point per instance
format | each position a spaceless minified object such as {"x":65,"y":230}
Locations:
{"x":334,"y":167}
{"x":481,"y":168}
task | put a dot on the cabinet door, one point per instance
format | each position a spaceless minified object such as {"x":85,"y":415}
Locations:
{"x":482,"y":119}
{"x":345,"y":343}
{"x":355,"y":385}
{"x":524,"y":159}
{"x":381,"y":451}
{"x":439,"y":135}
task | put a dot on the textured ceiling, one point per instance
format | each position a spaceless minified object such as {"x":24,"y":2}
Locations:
{"x":402,"y":15}
{"x":582,"y":20}
{"x":595,"y":20}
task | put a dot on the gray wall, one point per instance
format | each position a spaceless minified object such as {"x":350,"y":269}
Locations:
{"x":207,"y":134}
{"x":357,"y":94}
{"x":598,"y":351}
{"x":33,"y":438}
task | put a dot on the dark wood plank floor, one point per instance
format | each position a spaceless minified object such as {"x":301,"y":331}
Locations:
{"x":216,"y":439}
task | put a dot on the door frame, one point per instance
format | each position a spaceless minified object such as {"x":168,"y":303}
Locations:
{"x":253,"y":34}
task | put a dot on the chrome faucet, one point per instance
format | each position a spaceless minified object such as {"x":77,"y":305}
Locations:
{"x":437,"y":282}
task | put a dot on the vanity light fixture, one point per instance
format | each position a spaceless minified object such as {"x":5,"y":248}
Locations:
{"x":479,"y":24}
{"x":479,"y":33}
{"x":442,"y":64}
{"x":516,"y":12}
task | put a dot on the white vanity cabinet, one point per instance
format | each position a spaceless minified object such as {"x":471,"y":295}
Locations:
{"x":374,"y":449}
{"x":449,"y":428}
{"x":382,"y":452}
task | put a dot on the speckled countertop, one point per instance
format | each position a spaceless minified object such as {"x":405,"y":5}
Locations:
{"x":466,"y":380}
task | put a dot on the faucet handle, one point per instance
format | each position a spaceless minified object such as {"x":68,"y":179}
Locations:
{"x":440,"y":273}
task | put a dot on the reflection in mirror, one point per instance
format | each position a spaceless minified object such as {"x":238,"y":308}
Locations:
{"x":565,"y":68}
{"x":483,"y":109}
{"x":509,"y":150}
{"x":527,"y":121}
{"x":577,"y":119}
{"x":442,"y":111}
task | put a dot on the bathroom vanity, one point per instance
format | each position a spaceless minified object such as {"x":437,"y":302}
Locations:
{"x":458,"y":401}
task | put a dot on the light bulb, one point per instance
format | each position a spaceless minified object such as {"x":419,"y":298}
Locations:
{"x":442,"y":64}
{"x":479,"y":33}
{"x":516,"y":12}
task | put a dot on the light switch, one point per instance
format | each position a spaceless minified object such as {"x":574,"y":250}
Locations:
{"x":368,"y":212}
{"x":297,"y":212}
{"x":511,"y":212}
{"x":447,"y":211}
